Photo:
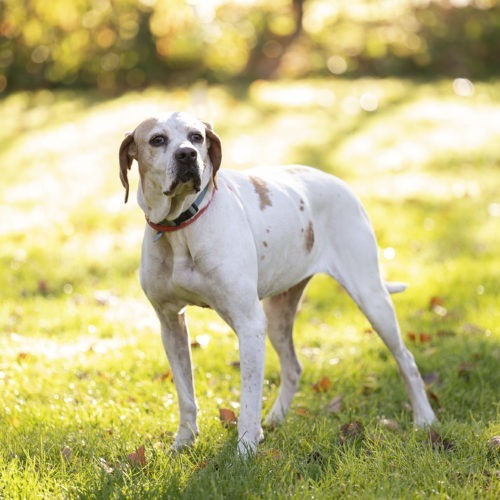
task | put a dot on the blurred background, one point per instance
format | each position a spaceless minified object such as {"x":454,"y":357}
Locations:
{"x":400,"y":98}
{"x":117,"y":45}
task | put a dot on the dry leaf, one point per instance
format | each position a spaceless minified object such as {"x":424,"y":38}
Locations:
{"x":424,"y":337}
{"x":302,"y":411}
{"x":412,"y":337}
{"x":335,"y":405}
{"x":435,"y":302}
{"x":137,"y":458}
{"x":43,"y":287}
{"x":440,"y":443}
{"x":351,"y":431}
{"x":323,"y":385}
{"x":167,"y":376}
{"x":227,"y":417}
{"x":433,"y":397}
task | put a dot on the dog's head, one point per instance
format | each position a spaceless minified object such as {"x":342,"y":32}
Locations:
{"x":175,"y":154}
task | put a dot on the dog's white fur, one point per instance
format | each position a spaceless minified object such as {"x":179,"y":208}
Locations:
{"x":265,"y":233}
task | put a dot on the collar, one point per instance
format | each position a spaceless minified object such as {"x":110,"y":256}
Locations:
{"x":185,"y":218}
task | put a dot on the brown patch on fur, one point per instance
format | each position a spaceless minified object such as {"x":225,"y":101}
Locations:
{"x":262,"y":191}
{"x":309,"y":237}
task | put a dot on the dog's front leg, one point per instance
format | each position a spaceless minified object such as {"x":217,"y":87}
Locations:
{"x":251,"y":332}
{"x":175,"y":338}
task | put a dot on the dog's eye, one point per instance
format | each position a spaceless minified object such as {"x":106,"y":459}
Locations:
{"x":158,"y":140}
{"x":196,"y":137}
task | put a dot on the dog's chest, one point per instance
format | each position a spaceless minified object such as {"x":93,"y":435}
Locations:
{"x":168,"y":273}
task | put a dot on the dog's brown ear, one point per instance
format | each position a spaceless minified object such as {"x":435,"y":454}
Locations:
{"x":126,"y":155}
{"x":214,"y":150}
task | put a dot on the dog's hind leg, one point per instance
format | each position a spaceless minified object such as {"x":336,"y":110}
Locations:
{"x":280,"y":311}
{"x":355,"y":265}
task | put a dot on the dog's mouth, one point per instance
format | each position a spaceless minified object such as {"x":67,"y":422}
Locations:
{"x":185,"y":183}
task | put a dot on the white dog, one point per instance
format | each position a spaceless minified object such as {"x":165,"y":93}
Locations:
{"x":229,"y":239}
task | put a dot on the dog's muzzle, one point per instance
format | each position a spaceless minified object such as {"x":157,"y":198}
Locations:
{"x":186,"y":159}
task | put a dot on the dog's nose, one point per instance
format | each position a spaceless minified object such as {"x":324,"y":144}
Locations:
{"x":186,"y":155}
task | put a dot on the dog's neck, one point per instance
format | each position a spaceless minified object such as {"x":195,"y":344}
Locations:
{"x":170,"y":208}
{"x":183,"y":209}
{"x":181,"y":203}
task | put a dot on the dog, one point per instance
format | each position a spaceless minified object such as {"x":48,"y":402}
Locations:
{"x":246,"y":243}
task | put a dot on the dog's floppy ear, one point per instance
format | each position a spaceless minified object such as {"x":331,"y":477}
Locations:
{"x":214,"y":150}
{"x":127,"y":155}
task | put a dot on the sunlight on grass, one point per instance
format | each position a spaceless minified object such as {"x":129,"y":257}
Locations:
{"x":82,"y":367}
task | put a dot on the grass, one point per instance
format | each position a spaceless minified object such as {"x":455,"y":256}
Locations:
{"x":85,"y":385}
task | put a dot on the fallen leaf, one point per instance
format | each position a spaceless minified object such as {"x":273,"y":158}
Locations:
{"x":167,"y":376}
{"x":436,"y":301}
{"x":412,"y":336}
{"x":323,"y":385}
{"x":201,"y":465}
{"x":137,"y":458}
{"x":424,"y":337}
{"x":43,"y":287}
{"x":440,"y":443}
{"x":227,"y":417}
{"x":302,"y":411}
{"x":433,"y":397}
{"x":351,"y":431}
{"x":335,"y":405}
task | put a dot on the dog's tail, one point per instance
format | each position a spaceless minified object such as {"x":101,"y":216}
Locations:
{"x":395,"y":287}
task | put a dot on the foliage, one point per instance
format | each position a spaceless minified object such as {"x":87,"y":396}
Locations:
{"x":88,"y":405}
{"x":128,"y":44}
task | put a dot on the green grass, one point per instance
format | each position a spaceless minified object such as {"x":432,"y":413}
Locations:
{"x":83,"y":378}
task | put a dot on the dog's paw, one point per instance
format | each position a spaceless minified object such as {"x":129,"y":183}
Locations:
{"x":248,"y":447}
{"x":274,"y":419}
{"x":183,"y":439}
{"x":424,"y":419}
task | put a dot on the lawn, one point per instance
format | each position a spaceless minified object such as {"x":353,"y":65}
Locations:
{"x":89,"y":408}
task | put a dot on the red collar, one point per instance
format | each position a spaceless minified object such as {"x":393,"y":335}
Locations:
{"x":186,"y":218}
